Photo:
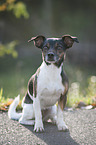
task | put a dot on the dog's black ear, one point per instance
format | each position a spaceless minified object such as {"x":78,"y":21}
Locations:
{"x":69,"y":40}
{"x":38,"y":40}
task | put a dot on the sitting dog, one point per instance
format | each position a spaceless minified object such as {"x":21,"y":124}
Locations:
{"x":46,"y":87}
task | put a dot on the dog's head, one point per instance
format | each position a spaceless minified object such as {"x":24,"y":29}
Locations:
{"x":54,"y":49}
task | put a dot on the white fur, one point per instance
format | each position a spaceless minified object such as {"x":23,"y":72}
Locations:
{"x":38,"y":115}
{"x":27,"y":115}
{"x":49,"y":89}
{"x":12,"y":109}
{"x":49,"y":85}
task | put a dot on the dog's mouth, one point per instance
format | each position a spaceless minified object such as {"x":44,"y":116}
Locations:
{"x":51,"y":61}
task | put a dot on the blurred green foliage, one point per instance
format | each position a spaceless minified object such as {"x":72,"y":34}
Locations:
{"x":5,"y":103}
{"x":2,"y":99}
{"x":1,"y":93}
{"x":91,"y":90}
{"x":9,"y":49}
{"x":18,"y":9}
{"x":75,"y":95}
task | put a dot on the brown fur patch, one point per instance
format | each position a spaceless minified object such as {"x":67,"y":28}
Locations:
{"x":38,"y":41}
{"x":62,"y":101}
{"x":68,"y":41}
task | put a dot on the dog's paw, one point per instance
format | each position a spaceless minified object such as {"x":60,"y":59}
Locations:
{"x":54,"y":120}
{"x":62,"y":126}
{"x":38,"y":127}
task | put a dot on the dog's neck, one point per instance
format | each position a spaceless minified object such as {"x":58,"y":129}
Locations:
{"x":52,"y":67}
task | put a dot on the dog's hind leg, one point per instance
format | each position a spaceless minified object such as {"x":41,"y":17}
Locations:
{"x":27,"y":115}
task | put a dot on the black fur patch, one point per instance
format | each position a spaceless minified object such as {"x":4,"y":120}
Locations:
{"x":27,"y":99}
{"x":65,"y":82}
{"x":30,"y":86}
{"x":35,"y":86}
{"x":64,"y":77}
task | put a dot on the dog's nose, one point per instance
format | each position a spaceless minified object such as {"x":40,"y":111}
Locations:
{"x":51,"y":55}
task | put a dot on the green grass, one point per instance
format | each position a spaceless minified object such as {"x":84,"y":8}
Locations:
{"x":2,"y":99}
{"x":75,"y":95}
{"x":14,"y":77}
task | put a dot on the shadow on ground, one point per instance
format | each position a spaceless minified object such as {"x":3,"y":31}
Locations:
{"x":52,"y":136}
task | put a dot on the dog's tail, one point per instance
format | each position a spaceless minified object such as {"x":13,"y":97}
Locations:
{"x":12,"y":109}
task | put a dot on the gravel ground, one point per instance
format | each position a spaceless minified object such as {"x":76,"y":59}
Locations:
{"x":81,"y":123}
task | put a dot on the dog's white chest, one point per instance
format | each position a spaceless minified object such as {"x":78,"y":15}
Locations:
{"x":49,"y":85}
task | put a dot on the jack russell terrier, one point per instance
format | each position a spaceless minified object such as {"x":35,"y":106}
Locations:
{"x":47,"y":86}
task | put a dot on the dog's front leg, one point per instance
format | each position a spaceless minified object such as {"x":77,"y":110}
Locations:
{"x":60,"y":119}
{"x":38,"y":115}
{"x":60,"y":122}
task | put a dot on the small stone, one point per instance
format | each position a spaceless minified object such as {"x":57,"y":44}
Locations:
{"x":81,"y":104}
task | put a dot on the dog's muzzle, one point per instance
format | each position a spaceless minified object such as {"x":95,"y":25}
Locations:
{"x":50,"y":57}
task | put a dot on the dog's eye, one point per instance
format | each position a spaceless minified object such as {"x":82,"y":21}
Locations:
{"x":59,"y":48}
{"x":45,"y":48}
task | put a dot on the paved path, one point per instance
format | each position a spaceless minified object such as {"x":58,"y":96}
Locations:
{"x":81,"y":123}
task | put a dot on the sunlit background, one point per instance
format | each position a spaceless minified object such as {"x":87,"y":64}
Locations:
{"x":21,"y":20}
